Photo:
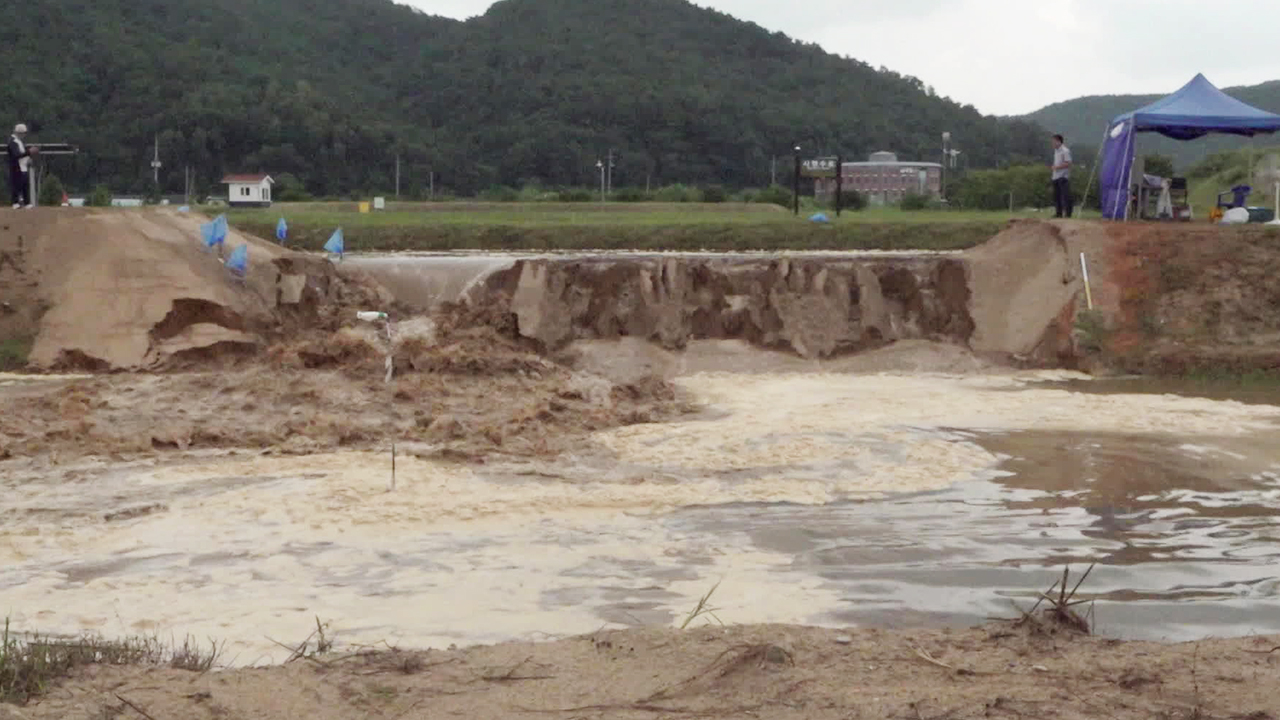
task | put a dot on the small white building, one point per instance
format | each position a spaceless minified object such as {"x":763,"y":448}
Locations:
{"x":248,"y":190}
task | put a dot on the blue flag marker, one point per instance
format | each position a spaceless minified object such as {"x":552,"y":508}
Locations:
{"x":335,"y":246}
{"x":209,"y":233}
{"x":282,"y":230}
{"x":220,"y":229}
{"x":238,"y":263}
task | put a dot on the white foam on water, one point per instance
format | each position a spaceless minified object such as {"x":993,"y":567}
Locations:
{"x":898,"y":433}
{"x":248,"y":549}
{"x":448,"y":557}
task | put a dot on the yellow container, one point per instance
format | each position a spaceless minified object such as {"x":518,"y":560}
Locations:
{"x":364,"y":207}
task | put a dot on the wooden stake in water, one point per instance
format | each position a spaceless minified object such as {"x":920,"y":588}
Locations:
{"x":1088,"y":293}
{"x":393,"y":467}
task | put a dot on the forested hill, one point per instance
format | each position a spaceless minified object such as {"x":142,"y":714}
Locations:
{"x":1085,"y":119}
{"x":330,"y":91}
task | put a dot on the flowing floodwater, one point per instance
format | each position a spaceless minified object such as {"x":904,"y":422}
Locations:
{"x":809,"y":495}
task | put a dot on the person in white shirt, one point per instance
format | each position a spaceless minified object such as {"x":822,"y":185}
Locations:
{"x":1061,"y":177}
{"x":19,"y":168}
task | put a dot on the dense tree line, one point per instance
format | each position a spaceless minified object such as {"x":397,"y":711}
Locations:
{"x":329,"y":92}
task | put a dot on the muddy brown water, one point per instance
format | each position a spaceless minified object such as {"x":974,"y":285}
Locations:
{"x":1184,"y":549}
{"x":809,"y":496}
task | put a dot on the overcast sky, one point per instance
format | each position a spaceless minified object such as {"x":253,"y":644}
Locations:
{"x":1015,"y":56}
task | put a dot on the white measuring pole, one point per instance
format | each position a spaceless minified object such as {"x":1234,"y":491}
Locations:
{"x":1088,"y":293}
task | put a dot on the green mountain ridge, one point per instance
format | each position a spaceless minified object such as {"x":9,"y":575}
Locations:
{"x":332,"y":91}
{"x":1085,"y":120}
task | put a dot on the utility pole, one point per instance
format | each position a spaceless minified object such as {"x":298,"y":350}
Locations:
{"x":397,"y":176}
{"x":186,"y":184}
{"x":431,"y":178}
{"x":609,"y":183}
{"x":773,"y":171}
{"x":155,"y":164}
{"x":795,"y":184}
{"x":946,"y":152}
{"x":839,"y":183}
{"x":600,"y":164}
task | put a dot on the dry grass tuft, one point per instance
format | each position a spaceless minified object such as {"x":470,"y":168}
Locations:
{"x":30,"y":666}
{"x":1061,"y":613}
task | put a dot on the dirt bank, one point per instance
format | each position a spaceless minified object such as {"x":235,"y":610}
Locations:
{"x":734,"y":672}
{"x":1012,"y":299}
{"x":1166,"y":297}
{"x":812,"y":306}
{"x":134,"y":289}
{"x":1192,"y":299}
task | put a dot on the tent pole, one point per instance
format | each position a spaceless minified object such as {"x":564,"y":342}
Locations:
{"x":1252,"y":164}
{"x":1128,"y":168}
{"x":1084,"y":201}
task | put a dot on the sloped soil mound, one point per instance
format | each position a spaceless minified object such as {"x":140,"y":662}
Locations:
{"x":473,"y":394}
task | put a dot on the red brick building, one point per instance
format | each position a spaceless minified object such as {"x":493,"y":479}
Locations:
{"x":883,"y":179}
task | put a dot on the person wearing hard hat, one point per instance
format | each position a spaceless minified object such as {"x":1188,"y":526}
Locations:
{"x":20,"y":167}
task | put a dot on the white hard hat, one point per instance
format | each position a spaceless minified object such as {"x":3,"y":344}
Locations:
{"x":19,"y":129}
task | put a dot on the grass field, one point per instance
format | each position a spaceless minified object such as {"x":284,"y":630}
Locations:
{"x":616,"y":226}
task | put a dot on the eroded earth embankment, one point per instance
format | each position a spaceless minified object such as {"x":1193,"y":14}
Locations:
{"x":1013,"y":298}
{"x":137,"y":290}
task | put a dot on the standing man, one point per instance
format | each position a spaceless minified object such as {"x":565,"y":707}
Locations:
{"x":1061,"y":177}
{"x":20,"y":168}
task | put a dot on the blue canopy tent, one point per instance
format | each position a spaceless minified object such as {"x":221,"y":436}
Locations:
{"x":1196,"y":110}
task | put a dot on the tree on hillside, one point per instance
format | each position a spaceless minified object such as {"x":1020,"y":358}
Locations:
{"x":1158,"y":165}
{"x":534,"y":90}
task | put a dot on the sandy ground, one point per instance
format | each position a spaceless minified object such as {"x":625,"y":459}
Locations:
{"x":734,"y":672}
{"x":465,"y":394}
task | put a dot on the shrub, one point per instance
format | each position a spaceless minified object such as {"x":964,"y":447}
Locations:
{"x":14,"y":352}
{"x":915,"y":201}
{"x":288,"y":188}
{"x":535,"y":192}
{"x":100,"y":197}
{"x":676,"y":193}
{"x":576,"y":195}
{"x":775,"y":194}
{"x":632,"y":194}
{"x":714,"y":194}
{"x":51,"y":191}
{"x":852,"y":200}
{"x":500,"y":193}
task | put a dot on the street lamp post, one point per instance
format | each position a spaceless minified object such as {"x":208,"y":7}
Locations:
{"x":946,"y":152}
{"x":795,"y":184}
{"x":600,"y":165}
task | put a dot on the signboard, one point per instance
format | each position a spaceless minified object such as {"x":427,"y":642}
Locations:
{"x":819,"y":168}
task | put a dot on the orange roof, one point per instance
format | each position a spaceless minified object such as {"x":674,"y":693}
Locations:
{"x":246,"y":178}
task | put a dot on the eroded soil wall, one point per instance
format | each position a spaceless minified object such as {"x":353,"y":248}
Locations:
{"x":816,"y":307}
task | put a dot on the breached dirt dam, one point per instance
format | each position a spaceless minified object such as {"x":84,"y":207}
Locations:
{"x":165,"y":299}
{"x":815,"y":305}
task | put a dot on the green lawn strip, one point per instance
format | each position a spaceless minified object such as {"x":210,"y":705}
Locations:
{"x":686,"y":237}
